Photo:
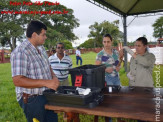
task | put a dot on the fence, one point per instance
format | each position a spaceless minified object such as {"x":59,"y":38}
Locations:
{"x":98,"y":49}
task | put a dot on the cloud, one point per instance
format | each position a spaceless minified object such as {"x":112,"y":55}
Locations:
{"x":89,"y":13}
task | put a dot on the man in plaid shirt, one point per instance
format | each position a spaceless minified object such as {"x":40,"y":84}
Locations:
{"x":32,"y":74}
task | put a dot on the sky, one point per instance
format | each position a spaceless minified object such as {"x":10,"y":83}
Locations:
{"x":88,"y":14}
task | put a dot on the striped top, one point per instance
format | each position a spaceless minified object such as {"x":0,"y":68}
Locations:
{"x":59,"y":66}
{"x":26,"y":61}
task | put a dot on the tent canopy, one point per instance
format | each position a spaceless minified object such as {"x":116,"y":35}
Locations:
{"x":131,"y":7}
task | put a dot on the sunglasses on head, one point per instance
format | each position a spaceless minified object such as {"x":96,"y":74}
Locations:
{"x":60,"y":47}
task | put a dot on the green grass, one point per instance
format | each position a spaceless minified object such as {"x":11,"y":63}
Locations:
{"x":9,"y":108}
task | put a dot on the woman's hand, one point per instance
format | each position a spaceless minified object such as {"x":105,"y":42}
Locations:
{"x":118,"y":68}
{"x":109,"y":70}
{"x":128,"y":50}
{"x":121,"y":54}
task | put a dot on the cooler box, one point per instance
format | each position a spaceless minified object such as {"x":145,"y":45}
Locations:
{"x":68,"y":96}
{"x":88,"y":76}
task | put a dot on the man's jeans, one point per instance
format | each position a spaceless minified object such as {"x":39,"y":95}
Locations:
{"x":77,"y":59}
{"x":35,"y":108}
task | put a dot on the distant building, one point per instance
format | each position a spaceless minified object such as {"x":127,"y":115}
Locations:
{"x":160,"y":40}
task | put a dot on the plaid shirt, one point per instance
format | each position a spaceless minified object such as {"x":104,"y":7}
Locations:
{"x":28,"y":62}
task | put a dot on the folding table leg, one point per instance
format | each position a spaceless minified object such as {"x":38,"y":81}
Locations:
{"x":72,"y":117}
{"x":95,"y":118}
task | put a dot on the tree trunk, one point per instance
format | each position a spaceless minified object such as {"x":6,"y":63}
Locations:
{"x":94,"y":43}
{"x":9,"y":41}
{"x":13,"y":45}
{"x":14,"y":42}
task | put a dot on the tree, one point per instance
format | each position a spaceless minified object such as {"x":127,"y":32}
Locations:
{"x":98,"y":30}
{"x":53,"y":37}
{"x":87,"y":44}
{"x":12,"y":26}
{"x":95,"y":33}
{"x":67,"y":44}
{"x":158,"y":28}
{"x":60,"y":26}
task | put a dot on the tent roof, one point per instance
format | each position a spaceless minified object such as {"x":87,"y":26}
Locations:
{"x":160,"y":39}
{"x":131,"y":7}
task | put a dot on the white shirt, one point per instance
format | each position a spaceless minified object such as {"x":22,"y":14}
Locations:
{"x":78,"y":53}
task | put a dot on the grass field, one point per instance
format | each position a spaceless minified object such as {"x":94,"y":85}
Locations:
{"x":9,"y":108}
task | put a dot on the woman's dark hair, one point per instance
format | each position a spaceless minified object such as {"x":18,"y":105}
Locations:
{"x":35,"y":26}
{"x":143,"y":40}
{"x":108,"y":35}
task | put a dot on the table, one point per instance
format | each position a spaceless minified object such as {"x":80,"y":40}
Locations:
{"x":139,"y":103}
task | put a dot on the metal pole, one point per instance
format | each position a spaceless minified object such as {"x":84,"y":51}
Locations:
{"x":125,"y":39}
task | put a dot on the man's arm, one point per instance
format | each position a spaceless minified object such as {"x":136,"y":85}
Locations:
{"x":22,"y":81}
{"x":52,"y":73}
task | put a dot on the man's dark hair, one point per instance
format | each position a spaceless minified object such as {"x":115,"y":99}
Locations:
{"x":143,"y":40}
{"x":59,"y":43}
{"x":108,"y":35}
{"x":35,"y":26}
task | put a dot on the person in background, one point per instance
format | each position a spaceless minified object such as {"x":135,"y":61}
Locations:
{"x":32,"y":75}
{"x":66,"y":52}
{"x":60,"y":62}
{"x":141,"y":64}
{"x":78,"y":56}
{"x":51,"y":52}
{"x":109,"y":57}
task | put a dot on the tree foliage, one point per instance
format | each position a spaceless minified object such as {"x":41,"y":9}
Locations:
{"x":158,"y":28}
{"x":97,"y":30}
{"x":87,"y":44}
{"x":13,"y":26}
{"x":67,"y":44}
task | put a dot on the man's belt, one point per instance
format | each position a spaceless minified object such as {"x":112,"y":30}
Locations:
{"x":26,"y":96}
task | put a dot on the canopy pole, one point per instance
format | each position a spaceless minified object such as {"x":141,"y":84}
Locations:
{"x":125,"y":39}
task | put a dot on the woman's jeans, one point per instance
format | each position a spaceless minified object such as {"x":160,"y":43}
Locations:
{"x":35,"y":108}
{"x":110,"y":80}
